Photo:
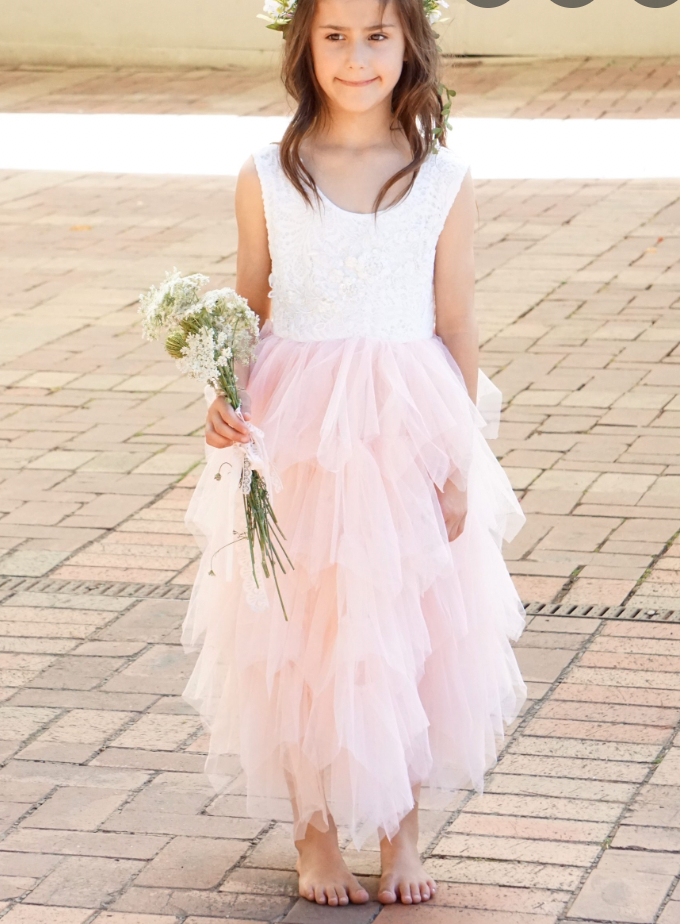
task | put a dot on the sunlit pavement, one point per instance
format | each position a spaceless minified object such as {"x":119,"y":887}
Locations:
{"x":105,"y":182}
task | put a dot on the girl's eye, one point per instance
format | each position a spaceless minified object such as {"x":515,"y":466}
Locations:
{"x":374,"y":37}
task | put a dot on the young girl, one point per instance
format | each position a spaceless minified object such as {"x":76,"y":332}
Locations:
{"x":391,"y":679}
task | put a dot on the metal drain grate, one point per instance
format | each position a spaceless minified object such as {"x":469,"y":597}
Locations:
{"x":17,"y":585}
{"x":597,"y":611}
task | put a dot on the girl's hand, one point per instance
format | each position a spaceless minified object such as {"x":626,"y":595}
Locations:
{"x":454,"y":507}
{"x":223,"y":426}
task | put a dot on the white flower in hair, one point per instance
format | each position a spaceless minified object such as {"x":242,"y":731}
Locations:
{"x":433,"y":10}
{"x":434,"y":14}
{"x":279,"y":13}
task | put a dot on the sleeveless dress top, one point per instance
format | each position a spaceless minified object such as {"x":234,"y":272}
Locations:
{"x":348,"y":274}
{"x":395,"y":666}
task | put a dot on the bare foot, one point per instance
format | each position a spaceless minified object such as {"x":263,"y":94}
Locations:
{"x":403,"y":875}
{"x":324,"y":876}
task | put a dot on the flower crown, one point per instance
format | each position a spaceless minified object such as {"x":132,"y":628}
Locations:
{"x":279,"y":13}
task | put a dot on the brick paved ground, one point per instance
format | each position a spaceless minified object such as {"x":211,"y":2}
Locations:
{"x":105,"y":812}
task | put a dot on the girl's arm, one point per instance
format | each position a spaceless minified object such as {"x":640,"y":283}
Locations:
{"x":454,"y":285}
{"x":253,"y":264}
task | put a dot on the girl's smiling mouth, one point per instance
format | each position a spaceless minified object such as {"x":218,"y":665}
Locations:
{"x":357,"y":83}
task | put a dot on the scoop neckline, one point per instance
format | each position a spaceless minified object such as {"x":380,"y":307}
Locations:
{"x":390,"y":208}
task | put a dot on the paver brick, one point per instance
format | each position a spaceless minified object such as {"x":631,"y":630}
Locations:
{"x":84,"y":882}
{"x":158,"y":732}
{"x":185,"y":825}
{"x":533,"y":806}
{"x":658,"y":806}
{"x":76,"y":808}
{"x":118,"y":917}
{"x":612,"y":712}
{"x":529,"y":828}
{"x":561,"y":787}
{"x":36,"y":841}
{"x":604,"y":731}
{"x":204,"y":903}
{"x":504,"y":873}
{"x":671,"y":913}
{"x":584,"y":748}
{"x":162,"y":669}
{"x":647,"y":838}
{"x":195,"y":863}
{"x":626,"y":885}
{"x":32,"y":914}
{"x":626,"y":695}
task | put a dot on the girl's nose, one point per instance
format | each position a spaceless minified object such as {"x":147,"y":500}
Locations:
{"x":357,"y":55}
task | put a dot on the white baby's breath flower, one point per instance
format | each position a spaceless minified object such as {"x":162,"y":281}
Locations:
{"x":198,"y":357}
{"x":175,"y":297}
{"x":232,"y":315}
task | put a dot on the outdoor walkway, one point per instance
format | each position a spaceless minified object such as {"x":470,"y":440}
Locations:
{"x":106,"y":815}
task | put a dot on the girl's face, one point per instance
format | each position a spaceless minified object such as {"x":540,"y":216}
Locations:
{"x":358,"y":52}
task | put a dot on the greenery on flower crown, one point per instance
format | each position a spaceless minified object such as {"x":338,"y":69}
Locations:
{"x":279,"y":13}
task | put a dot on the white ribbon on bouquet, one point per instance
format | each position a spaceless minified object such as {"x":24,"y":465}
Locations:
{"x":215,"y":515}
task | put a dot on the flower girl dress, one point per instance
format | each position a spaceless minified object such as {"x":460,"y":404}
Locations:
{"x":394,"y":667}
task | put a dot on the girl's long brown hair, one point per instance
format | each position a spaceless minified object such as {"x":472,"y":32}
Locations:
{"x":416,"y":104}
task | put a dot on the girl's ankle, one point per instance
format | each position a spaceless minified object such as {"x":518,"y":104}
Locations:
{"x":402,"y":841}
{"x":316,"y":841}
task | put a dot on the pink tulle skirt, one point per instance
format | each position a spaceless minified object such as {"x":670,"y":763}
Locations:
{"x":394,"y":667}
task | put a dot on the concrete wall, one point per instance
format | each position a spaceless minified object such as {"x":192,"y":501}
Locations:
{"x":219,"y":32}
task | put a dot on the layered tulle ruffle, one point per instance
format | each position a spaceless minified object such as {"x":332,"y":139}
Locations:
{"x":395,"y":666}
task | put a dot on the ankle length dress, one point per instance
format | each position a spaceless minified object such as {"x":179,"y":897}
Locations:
{"x":394,"y":667}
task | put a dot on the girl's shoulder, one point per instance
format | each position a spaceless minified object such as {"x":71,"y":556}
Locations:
{"x":266,"y":156}
{"x":450,"y":162}
{"x":449,"y":167}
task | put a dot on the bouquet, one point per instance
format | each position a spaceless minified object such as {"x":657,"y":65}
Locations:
{"x":206,"y":334}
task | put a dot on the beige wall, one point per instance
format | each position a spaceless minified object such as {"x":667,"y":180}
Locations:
{"x":219,"y":32}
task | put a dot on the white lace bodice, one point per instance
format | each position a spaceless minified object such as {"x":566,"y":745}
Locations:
{"x":339,"y":274}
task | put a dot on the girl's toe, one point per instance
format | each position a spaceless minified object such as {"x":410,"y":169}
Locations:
{"x":358,"y":896}
{"x":406,"y":894}
{"x":332,"y":896}
{"x":387,"y":895}
{"x":320,"y":896}
{"x":416,"y":897}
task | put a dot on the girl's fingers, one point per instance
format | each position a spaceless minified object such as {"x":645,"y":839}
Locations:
{"x":215,"y":440}
{"x":455,"y":528}
{"x":231,"y":433}
{"x":227,"y":413}
{"x":234,"y":421}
